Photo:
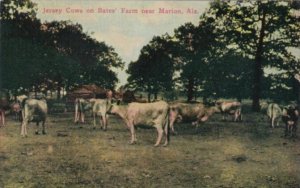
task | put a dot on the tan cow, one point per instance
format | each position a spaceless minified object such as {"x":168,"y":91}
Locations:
{"x":187,"y":112}
{"x":81,"y":107}
{"x":232,"y":108}
{"x":153,"y":114}
{"x":100,"y":107}
{"x":274,"y":113}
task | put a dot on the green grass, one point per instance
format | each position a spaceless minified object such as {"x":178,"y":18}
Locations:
{"x":217,"y":154}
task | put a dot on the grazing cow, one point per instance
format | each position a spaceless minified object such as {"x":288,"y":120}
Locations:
{"x":154,"y":114}
{"x":33,"y":110}
{"x":233,"y":108}
{"x":100,"y":107}
{"x":81,"y":106}
{"x":274,"y":112}
{"x":16,"y":110}
{"x":187,"y":112}
{"x":290,"y":117}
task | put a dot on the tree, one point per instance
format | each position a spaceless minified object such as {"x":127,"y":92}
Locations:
{"x":262,"y":30}
{"x":153,"y":71}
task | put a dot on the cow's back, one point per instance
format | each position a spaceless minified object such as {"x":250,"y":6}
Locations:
{"x":147,"y":113}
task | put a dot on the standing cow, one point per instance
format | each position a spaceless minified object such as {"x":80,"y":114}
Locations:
{"x":232,"y":108}
{"x":187,"y":112}
{"x":81,"y":106}
{"x":290,"y":117}
{"x":155,"y":114}
{"x":100,"y":107}
{"x":16,"y":110}
{"x":274,"y":113}
{"x":33,"y":110}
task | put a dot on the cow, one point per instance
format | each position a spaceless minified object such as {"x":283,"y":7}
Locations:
{"x":153,"y":114}
{"x":233,"y":108}
{"x":196,"y":112}
{"x":33,"y":110}
{"x":4,"y":105}
{"x":100,"y":107}
{"x":16,"y":110}
{"x":274,"y":113}
{"x":81,"y":106}
{"x":290,"y":117}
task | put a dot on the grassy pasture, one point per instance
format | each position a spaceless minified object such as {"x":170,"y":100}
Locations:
{"x":217,"y":154}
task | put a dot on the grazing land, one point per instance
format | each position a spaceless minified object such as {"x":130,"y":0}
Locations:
{"x":217,"y":154}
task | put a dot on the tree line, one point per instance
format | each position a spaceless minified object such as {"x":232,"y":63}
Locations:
{"x":239,"y":49}
{"x":38,"y":56}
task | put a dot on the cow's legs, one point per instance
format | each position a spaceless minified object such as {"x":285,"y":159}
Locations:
{"x":94,"y":116}
{"x":104,"y":123}
{"x":2,"y":117}
{"x":37,"y":128}
{"x":132,"y":132}
{"x":44,"y":128}
{"x":273,"y":122}
{"x":172,"y":120}
{"x":166,"y":134}
{"x":159,"y":136}
{"x":24,"y":128}
{"x":82,"y":117}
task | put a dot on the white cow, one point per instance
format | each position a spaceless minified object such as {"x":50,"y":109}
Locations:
{"x":274,"y":113}
{"x":155,"y":114}
{"x":100,"y":107}
{"x":34,"y":110}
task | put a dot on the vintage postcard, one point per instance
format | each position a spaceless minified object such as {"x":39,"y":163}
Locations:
{"x":99,"y":93}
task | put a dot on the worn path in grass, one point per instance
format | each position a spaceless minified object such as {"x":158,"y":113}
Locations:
{"x":217,"y":154}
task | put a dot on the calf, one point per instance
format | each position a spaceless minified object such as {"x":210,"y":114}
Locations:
{"x":81,"y":106}
{"x":274,"y":113}
{"x":290,"y":117}
{"x":232,"y":108}
{"x":100,"y":107}
{"x":34,"y":110}
{"x":187,"y":112}
{"x":154,"y":114}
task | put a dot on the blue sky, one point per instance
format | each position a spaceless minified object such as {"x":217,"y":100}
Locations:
{"x":127,"y":33}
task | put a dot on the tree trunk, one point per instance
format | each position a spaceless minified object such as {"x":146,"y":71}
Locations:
{"x":258,"y":69}
{"x":155,"y":96}
{"x":190,"y":89}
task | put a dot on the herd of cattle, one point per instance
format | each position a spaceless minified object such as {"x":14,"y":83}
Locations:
{"x":159,"y":114}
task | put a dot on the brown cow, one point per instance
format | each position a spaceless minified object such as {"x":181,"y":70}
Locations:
{"x":187,"y":112}
{"x":232,"y":108}
{"x":33,"y":110}
{"x":154,"y":114}
{"x":290,"y":117}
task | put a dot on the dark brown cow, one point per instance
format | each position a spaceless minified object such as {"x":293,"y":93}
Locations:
{"x":290,"y":117}
{"x":187,"y":112}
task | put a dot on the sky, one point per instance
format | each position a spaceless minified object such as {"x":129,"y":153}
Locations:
{"x":129,"y":26}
